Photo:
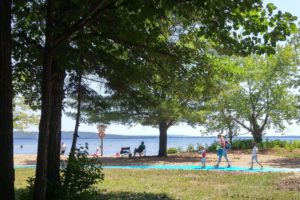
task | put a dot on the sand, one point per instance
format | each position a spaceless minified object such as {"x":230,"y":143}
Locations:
{"x":238,"y":158}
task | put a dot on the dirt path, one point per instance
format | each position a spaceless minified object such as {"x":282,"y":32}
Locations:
{"x":237,"y":159}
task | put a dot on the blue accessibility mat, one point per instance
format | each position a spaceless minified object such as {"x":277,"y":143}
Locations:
{"x":208,"y":168}
{"x":189,"y":167}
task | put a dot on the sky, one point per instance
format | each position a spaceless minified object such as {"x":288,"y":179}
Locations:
{"x":292,"y":6}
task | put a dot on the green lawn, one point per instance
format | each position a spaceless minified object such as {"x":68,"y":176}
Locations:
{"x":158,"y":184}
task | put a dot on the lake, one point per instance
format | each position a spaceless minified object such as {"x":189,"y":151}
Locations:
{"x":113,"y":143}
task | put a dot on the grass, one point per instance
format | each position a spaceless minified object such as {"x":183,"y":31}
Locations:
{"x":177,"y":184}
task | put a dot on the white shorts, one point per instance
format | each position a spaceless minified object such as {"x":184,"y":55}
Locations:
{"x":203,"y":160}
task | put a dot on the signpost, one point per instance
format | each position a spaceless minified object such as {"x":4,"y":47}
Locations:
{"x":101,"y":133}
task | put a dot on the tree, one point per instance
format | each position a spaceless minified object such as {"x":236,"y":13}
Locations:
{"x":23,"y":115}
{"x":265,"y":99}
{"x":126,"y":44}
{"x":133,"y":26}
{"x":219,"y":114}
{"x":161,"y":100}
{"x":7,"y":176}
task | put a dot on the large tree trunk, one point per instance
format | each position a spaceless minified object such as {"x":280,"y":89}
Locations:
{"x":53,"y":176}
{"x":257,"y":136}
{"x":42,"y":157}
{"x":6,"y":93}
{"x":163,"y":128}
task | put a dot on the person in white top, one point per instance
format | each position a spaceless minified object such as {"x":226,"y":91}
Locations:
{"x":254,"y":156}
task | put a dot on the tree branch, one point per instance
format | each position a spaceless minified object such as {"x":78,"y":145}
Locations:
{"x":79,"y":24}
{"x":243,"y":125}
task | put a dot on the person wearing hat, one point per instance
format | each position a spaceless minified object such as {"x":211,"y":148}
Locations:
{"x":222,"y":151}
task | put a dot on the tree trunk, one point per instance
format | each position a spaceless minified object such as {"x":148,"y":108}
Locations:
{"x":230,"y":135}
{"x":53,"y":176}
{"x":163,"y":128}
{"x":75,"y":135}
{"x":257,"y":136}
{"x":6,"y":94}
{"x":42,"y":157}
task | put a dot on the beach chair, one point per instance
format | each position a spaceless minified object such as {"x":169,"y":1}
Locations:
{"x":125,"y":151}
{"x":143,"y":153}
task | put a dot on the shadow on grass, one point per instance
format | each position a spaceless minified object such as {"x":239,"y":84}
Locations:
{"x":22,"y":194}
{"x":133,"y":196}
{"x":285,"y":162}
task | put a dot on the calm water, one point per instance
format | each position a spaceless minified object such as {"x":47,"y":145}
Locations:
{"x":113,"y":145}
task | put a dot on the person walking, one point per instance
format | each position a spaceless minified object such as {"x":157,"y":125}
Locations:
{"x":254,"y":156}
{"x":222,"y":151}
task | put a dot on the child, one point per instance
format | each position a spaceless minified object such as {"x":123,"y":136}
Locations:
{"x":203,"y":156}
{"x":254,"y":156}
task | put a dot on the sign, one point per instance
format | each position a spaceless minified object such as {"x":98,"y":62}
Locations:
{"x":101,"y":134}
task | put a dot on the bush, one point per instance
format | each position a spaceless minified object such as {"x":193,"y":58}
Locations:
{"x":267,"y":144}
{"x":172,"y":150}
{"x":27,"y":194}
{"x":190,"y":148}
{"x":212,"y":147}
{"x":79,"y":176}
{"x":179,"y":150}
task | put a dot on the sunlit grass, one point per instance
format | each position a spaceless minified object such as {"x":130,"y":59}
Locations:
{"x":181,"y":184}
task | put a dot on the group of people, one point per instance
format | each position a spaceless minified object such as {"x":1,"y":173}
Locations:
{"x":222,"y":151}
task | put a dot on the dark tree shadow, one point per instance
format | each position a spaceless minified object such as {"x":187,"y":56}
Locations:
{"x":147,"y":160}
{"x":284,"y":162}
{"x":22,"y":194}
{"x":133,"y":196}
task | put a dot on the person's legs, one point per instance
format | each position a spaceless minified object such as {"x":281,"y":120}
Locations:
{"x":258,"y":162}
{"x":226,"y":158}
{"x":203,"y":162}
{"x":219,"y":161}
{"x":135,"y":151}
{"x":253,"y":157}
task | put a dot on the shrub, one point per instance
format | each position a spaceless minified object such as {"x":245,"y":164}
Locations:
{"x":27,"y":194}
{"x":212,"y":147}
{"x":172,"y":150}
{"x":190,"y":148}
{"x":79,"y":176}
{"x":267,"y":144}
{"x":179,"y":150}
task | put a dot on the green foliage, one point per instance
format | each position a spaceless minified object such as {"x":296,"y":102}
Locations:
{"x":23,"y":115}
{"x":27,"y":194}
{"x":180,"y":150}
{"x":79,"y":176}
{"x":172,"y":150}
{"x":190,"y":148}
{"x":290,"y":145}
{"x":267,"y":144}
{"x":260,"y":95}
{"x":213,"y":147}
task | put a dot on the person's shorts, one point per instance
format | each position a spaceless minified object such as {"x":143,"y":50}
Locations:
{"x":220,"y":152}
{"x":203,"y":160}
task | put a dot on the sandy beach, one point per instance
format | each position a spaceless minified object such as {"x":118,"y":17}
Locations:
{"x":238,"y":158}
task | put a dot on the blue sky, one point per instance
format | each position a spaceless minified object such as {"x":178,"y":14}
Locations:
{"x":292,"y":6}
